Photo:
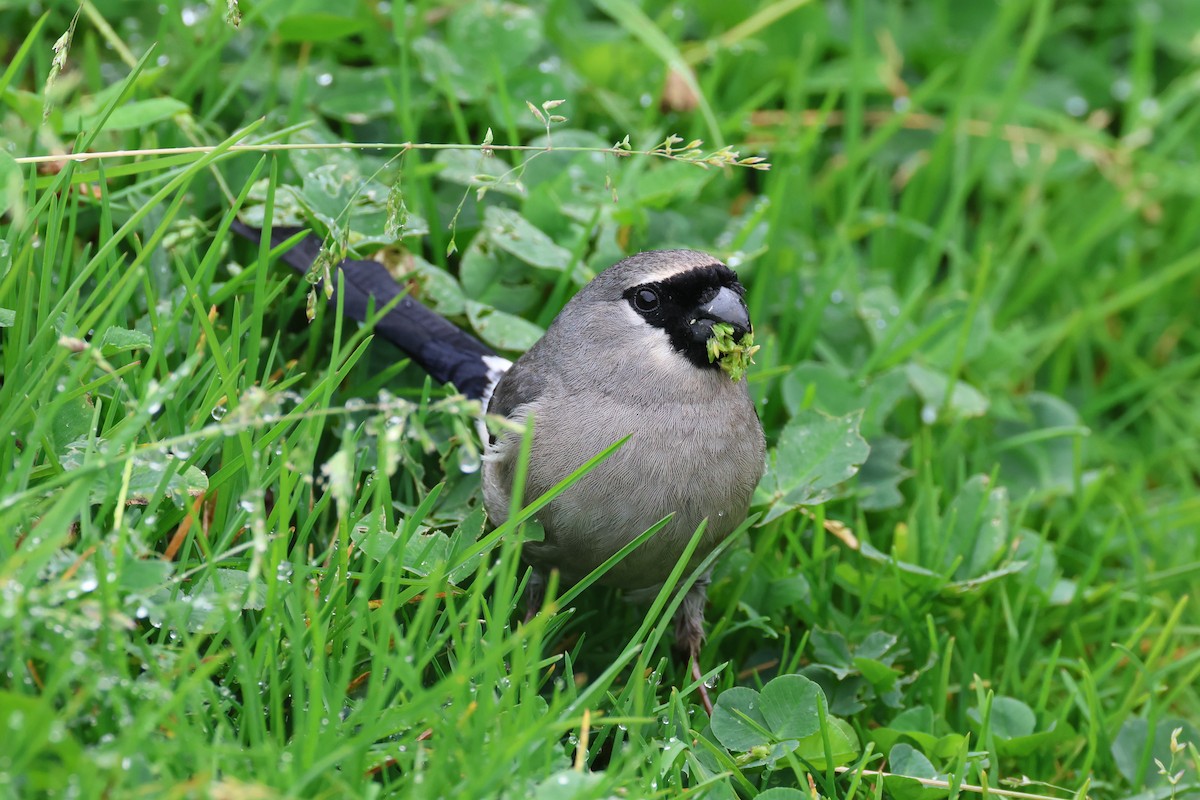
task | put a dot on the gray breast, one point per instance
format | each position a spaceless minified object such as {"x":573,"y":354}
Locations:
{"x":697,"y":461}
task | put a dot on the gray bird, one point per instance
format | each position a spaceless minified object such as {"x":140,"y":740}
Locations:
{"x":627,"y":356}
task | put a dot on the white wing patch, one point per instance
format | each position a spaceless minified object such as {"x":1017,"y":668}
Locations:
{"x":497,"y":366}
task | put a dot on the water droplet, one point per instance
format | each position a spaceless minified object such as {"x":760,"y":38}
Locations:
{"x":468,"y":460}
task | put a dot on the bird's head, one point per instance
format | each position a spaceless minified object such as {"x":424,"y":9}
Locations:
{"x":666,"y":304}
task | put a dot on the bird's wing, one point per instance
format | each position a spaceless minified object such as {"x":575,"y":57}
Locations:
{"x":448,"y":353}
{"x":517,"y":392}
{"x":521,"y":385}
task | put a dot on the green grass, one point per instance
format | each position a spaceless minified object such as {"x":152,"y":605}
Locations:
{"x":242,"y":555}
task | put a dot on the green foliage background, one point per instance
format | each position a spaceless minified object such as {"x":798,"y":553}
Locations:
{"x":243,"y":555}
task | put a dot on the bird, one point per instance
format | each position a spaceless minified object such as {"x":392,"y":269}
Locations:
{"x":630,"y":355}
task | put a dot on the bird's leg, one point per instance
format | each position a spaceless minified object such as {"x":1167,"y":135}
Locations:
{"x":689,"y":633}
{"x":535,"y":594}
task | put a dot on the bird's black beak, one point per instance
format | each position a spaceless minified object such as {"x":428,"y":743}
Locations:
{"x":725,"y":306}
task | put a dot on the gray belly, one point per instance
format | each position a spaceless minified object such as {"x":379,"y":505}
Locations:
{"x":676,"y":462}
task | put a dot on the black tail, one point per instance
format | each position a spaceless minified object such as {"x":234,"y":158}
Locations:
{"x":448,"y":353}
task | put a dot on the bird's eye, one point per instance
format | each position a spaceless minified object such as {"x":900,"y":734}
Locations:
{"x":645,"y":300}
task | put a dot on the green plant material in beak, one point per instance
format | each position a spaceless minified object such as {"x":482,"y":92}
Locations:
{"x":734,"y":357}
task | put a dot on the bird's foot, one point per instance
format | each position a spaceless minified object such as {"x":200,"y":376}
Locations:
{"x":689,"y":634}
{"x":535,"y":594}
